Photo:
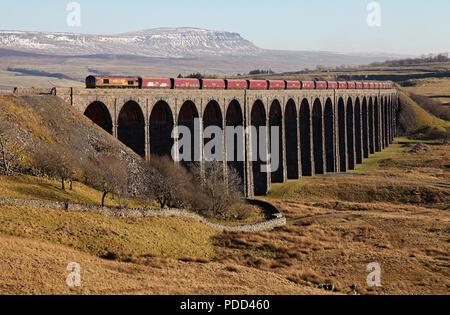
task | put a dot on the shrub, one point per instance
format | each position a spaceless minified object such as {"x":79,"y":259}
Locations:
{"x":109,"y":174}
{"x":165,"y":182}
{"x":222,"y":194}
{"x":54,"y":164}
{"x":203,"y":189}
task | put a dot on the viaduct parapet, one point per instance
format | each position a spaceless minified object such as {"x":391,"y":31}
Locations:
{"x":321,"y":131}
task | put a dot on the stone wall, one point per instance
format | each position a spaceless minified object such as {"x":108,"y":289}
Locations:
{"x":34,"y":91}
{"x":276,"y":220}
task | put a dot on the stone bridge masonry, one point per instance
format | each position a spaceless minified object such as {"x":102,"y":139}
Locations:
{"x":321,"y":131}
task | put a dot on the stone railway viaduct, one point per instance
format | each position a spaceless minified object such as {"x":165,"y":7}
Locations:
{"x":322,"y":131}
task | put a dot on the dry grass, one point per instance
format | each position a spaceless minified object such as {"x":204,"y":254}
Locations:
{"x":115,"y":238}
{"x":437,"y":88}
{"x":395,"y":175}
{"x":21,"y":273}
{"x":338,"y":225}
{"x":322,"y":244}
{"x":426,"y":125}
{"x":31,"y":187}
{"x":362,"y":190}
{"x":17,"y":111}
{"x":398,"y":161}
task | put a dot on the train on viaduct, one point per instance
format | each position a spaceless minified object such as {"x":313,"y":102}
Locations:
{"x":322,"y":130}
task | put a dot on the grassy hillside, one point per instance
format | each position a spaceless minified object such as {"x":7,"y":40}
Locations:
{"x":49,"y":120}
{"x":436,"y":88}
{"x":398,"y":174}
{"x":424,"y":125}
{"x":20,"y":273}
{"x":402,"y":160}
{"x":44,"y":129}
{"x":333,"y":242}
{"x":383,"y":212}
{"x":34,"y":125}
{"x":32,"y":187}
{"x":114,"y":238}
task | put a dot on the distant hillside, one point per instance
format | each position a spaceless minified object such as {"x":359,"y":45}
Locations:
{"x":153,"y":52}
{"x":184,"y":42}
{"x":161,"y":42}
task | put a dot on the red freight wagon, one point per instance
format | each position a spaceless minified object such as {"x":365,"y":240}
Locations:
{"x":308,"y":85}
{"x":320,"y":85}
{"x":359,"y":85}
{"x":293,"y":85}
{"x":342,"y":85}
{"x":332,"y":85}
{"x":236,"y":84}
{"x":257,"y":84}
{"x":351,"y":85}
{"x":156,"y":83}
{"x":186,"y":84}
{"x":213,"y":84}
{"x":366,"y":85}
{"x":371,"y":85}
{"x":277,"y":85}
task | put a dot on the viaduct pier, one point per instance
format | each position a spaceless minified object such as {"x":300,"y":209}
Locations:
{"x":321,"y":131}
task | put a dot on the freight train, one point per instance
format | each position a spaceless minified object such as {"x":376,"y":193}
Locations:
{"x":93,"y":82}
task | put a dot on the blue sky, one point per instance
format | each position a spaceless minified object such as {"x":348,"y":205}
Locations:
{"x":407,"y":26}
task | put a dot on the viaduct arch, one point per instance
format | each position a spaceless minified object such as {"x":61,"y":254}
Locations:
{"x":320,"y":131}
{"x":291,"y":129}
{"x":99,"y":114}
{"x":131,"y":127}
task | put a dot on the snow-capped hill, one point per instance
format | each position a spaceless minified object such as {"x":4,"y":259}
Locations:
{"x":161,"y":42}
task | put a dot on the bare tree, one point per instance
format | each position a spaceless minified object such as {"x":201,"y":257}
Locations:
{"x":166,"y":182}
{"x":109,"y":174}
{"x":205,"y":190}
{"x":221,"y":192}
{"x":120,"y":180}
{"x":54,"y":164}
